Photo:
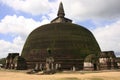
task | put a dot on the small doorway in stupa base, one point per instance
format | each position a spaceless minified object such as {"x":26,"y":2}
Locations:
{"x":95,"y":66}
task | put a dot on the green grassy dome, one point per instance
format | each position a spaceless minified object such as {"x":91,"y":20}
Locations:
{"x":65,"y":40}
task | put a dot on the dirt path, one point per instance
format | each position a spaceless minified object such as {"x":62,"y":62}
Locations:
{"x":10,"y":75}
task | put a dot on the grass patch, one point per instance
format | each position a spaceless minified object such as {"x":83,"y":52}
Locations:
{"x":73,"y":78}
{"x":78,"y":72}
{"x":12,"y":70}
{"x":95,"y":79}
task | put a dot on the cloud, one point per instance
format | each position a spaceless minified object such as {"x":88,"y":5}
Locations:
{"x":76,"y":9}
{"x":108,"y":37}
{"x":34,"y":7}
{"x":92,"y":9}
{"x":19,"y":27}
{"x":11,"y":47}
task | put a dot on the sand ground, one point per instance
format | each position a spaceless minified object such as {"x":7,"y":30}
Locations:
{"x":22,"y":75}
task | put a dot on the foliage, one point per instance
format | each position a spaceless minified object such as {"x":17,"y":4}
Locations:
{"x":2,"y":61}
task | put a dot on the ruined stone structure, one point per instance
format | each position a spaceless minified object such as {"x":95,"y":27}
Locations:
{"x":14,"y":61}
{"x":107,"y":60}
{"x":9,"y":60}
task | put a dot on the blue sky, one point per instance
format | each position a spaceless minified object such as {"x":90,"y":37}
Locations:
{"x":19,"y":17}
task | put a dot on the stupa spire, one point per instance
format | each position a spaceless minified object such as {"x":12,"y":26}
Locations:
{"x":61,"y":10}
{"x":60,"y":16}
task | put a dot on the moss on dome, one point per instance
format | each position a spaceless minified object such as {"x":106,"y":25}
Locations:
{"x":66,"y":40}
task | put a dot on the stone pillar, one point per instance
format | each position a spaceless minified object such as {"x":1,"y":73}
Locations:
{"x":47,"y":67}
{"x":7,"y":63}
{"x":56,"y":66}
{"x":52,"y":66}
{"x":112,"y":63}
{"x":36,"y":67}
{"x":59,"y":65}
{"x":73,"y":68}
{"x":40,"y":67}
